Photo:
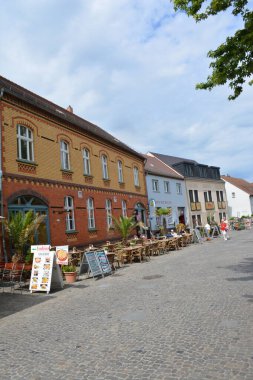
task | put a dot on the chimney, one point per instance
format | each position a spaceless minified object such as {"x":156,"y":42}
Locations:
{"x":70,"y":109}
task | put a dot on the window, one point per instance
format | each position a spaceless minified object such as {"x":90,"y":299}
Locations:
{"x":136,"y":176}
{"x":189,"y":170}
{"x":196,"y":195}
{"x":208,"y":196}
{"x":25,"y":143}
{"x":91,"y":216}
{"x":120,"y":172}
{"x":104,"y":167}
{"x":70,"y":218}
{"x":108,"y":208}
{"x":155,"y":185}
{"x":219,"y":195}
{"x":166,"y":187}
{"x":86,"y":161}
{"x":179,"y":188}
{"x":65,"y":155}
{"x":233,"y":195}
{"x":124,"y":208}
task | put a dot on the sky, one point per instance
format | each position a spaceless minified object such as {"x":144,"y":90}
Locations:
{"x":130,"y":67}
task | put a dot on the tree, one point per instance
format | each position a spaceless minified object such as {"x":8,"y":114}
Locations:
{"x":232,"y":61}
{"x":21,"y":229}
{"x":124,"y":225}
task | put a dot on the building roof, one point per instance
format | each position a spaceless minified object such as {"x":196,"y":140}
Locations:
{"x":6,"y":86}
{"x":171,"y":160}
{"x":157,"y":167}
{"x":240,"y":183}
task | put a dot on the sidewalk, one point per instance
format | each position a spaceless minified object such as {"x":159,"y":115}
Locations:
{"x":185,"y":315}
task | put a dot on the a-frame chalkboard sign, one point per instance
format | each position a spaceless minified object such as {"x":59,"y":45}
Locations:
{"x":96,"y":263}
{"x":197,"y":237}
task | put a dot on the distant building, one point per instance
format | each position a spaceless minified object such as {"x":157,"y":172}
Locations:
{"x":166,"y":190}
{"x":239,"y":196}
{"x":206,"y":194}
{"x":58,"y":164}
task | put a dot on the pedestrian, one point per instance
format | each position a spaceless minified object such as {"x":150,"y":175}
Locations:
{"x":224,"y":228}
{"x":207,"y":229}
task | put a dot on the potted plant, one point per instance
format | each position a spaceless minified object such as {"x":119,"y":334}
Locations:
{"x":69,"y":273}
{"x":124,"y":226}
{"x":21,"y":229}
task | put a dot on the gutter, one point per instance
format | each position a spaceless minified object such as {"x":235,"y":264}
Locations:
{"x":1,"y":182}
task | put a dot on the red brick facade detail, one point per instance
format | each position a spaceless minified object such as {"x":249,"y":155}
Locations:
{"x":67,"y":176}
{"x":26,"y":168}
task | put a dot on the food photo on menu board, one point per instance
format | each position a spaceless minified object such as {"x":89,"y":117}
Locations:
{"x":41,"y":270}
{"x":62,"y":254}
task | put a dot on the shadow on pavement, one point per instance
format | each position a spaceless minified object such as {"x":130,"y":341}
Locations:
{"x":13,"y":303}
{"x":249,"y":297}
{"x":245,"y":266}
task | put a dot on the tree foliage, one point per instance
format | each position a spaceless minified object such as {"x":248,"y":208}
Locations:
{"x":232,"y":61}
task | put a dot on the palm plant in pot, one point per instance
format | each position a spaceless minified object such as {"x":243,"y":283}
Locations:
{"x":70,"y":273}
{"x":124,"y":225}
{"x":20,"y":229}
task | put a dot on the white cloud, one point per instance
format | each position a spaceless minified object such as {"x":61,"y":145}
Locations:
{"x":131,"y":67}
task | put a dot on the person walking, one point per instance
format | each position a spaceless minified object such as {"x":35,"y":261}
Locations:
{"x":224,"y":228}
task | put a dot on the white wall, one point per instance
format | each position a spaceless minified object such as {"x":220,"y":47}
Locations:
{"x":240,"y":205}
{"x":164,"y":200}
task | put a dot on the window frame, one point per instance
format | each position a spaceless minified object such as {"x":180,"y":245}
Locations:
{"x":29,"y":143}
{"x":120,"y":171}
{"x":136,"y":176}
{"x":70,"y":214}
{"x":124,"y":208}
{"x":155,"y":185}
{"x":65,"y":157}
{"x":86,"y":162}
{"x":108,"y":209}
{"x":167,"y":187}
{"x":178,"y":188}
{"x":91,"y":213}
{"x":104,"y":161}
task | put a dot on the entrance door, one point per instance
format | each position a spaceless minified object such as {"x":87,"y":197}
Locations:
{"x":25,"y":203}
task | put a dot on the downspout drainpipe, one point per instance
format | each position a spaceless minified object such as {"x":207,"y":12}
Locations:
{"x":1,"y":182}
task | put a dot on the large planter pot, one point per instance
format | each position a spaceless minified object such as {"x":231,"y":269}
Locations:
{"x":70,"y":277}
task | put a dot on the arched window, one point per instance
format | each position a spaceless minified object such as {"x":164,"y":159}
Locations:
{"x":108,"y":208}
{"x":136,"y":176}
{"x":91,"y":216}
{"x":25,"y":143}
{"x":65,"y":163}
{"x":120,"y":172}
{"x":124,"y":208}
{"x":104,"y":167}
{"x":70,"y":218}
{"x":86,"y":161}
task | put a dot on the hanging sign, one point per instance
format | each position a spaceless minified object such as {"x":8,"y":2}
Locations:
{"x":45,"y":272}
{"x":62,"y":254}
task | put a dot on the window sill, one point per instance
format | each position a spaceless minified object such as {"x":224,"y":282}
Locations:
{"x":32,"y":163}
{"x":137,"y":186}
{"x":121,"y":183}
{"x":67,"y":171}
{"x":88,"y":176}
{"x":92,"y":230}
{"x":106,"y":179}
{"x":71,"y":232}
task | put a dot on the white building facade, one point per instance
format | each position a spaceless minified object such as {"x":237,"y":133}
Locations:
{"x":239,"y":197}
{"x":166,"y":191}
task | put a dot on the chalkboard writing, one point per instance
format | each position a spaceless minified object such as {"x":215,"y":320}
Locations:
{"x":103,"y":261}
{"x":93,"y":263}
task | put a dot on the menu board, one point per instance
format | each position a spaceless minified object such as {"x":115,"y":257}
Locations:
{"x":93,"y":263}
{"x":98,"y":263}
{"x":103,"y":261}
{"x":62,"y":254}
{"x":44,"y":265}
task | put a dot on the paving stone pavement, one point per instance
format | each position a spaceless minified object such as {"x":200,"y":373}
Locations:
{"x":184,"y":315}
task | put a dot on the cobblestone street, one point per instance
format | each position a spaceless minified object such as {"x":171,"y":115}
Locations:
{"x":183,"y":315}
